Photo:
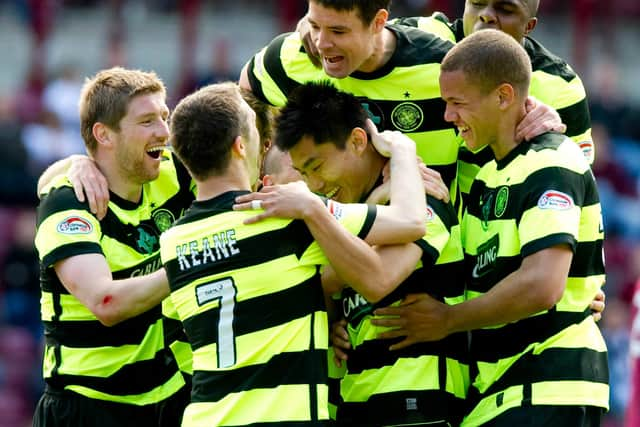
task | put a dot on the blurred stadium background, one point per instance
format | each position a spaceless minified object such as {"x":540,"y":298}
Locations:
{"x":48,"y":46}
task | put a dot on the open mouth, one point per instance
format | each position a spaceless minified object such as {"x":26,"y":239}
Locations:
{"x":333,"y":59}
{"x":155,"y":152}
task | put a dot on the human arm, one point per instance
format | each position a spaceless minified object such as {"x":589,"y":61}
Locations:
{"x":243,"y":81}
{"x":89,"y":279}
{"x":353,"y":259}
{"x":86,"y":178}
{"x":535,"y":287}
{"x":400,"y":222}
{"x":540,"y":118}
{"x":431,"y":179}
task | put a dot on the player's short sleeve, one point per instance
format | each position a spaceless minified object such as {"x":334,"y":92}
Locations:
{"x":439,"y":219}
{"x":357,"y":218}
{"x":65,"y":228}
{"x":552,"y":209}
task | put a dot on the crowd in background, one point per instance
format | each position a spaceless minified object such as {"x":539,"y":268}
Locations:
{"x":39,"y":124}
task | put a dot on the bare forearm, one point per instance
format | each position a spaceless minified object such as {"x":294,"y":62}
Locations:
{"x":353,"y":260}
{"x":407,"y":190}
{"x":138,"y":294}
{"x":510,"y":300}
{"x":536,"y":286}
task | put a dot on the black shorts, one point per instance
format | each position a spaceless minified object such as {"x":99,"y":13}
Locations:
{"x":68,"y":409}
{"x":549,"y":416}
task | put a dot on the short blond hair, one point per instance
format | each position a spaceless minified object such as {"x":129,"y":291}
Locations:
{"x":106,"y":96}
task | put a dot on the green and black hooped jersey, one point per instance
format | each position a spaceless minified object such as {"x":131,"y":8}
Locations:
{"x":542,"y":194}
{"x":403,"y":95}
{"x":425,"y":382}
{"x":553,"y":82}
{"x":251,"y":301}
{"x":131,"y":361}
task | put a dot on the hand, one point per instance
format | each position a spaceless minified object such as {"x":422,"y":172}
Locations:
{"x":384,"y":141}
{"x":540,"y":118}
{"x":292,"y":200}
{"x":87,"y":180}
{"x":304,"y":29}
{"x":418,"y":318}
{"x":433,"y":184}
{"x":597,"y":305}
{"x":339,"y":338}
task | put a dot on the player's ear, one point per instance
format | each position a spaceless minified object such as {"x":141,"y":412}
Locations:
{"x":267,"y":180}
{"x":380,"y":20}
{"x":102,"y":133}
{"x":238,"y":147}
{"x":531,"y":24}
{"x":358,"y":139}
{"x":506,"y":95}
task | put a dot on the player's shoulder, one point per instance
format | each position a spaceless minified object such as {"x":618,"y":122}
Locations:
{"x":415,"y":47}
{"x":59,"y":198}
{"x":557,"y":150}
{"x":542,"y":59}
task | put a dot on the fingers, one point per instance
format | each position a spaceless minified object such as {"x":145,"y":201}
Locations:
{"x":433,"y":184}
{"x":402,"y":344}
{"x":89,"y":185}
{"x":389,"y":322}
{"x":388,"y":311}
{"x":248,"y":202}
{"x":79,"y":190}
{"x":94,"y":189}
{"x":248,"y":205}
{"x":101,"y":195}
{"x":340,"y":341}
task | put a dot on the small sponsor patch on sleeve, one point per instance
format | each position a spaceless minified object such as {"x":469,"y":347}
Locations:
{"x":587,"y":150}
{"x":555,"y":200}
{"x":74,"y":225}
{"x":430,"y":214}
{"x":336,"y":209}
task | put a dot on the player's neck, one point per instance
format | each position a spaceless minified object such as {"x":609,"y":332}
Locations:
{"x":217,"y":185}
{"x":385,"y":46}
{"x":376,"y":164}
{"x":118,"y":182}
{"x":505,"y":140}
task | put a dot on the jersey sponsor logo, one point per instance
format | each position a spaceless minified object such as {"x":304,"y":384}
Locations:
{"x":555,"y":200}
{"x":430,"y":214}
{"x":335,"y":208}
{"x":147,"y":268}
{"x":587,"y":150}
{"x":501,"y":201}
{"x":487,"y":257}
{"x":354,"y":307}
{"x":163,"y":219}
{"x":407,"y":117}
{"x":74,"y":225}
